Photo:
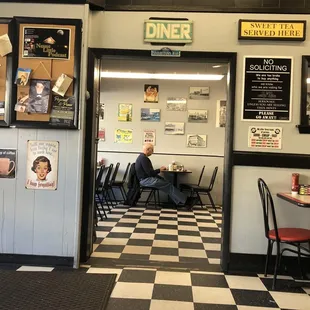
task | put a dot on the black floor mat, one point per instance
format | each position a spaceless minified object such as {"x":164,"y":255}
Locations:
{"x":54,"y":290}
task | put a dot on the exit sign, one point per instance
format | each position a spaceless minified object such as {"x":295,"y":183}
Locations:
{"x":168,"y":31}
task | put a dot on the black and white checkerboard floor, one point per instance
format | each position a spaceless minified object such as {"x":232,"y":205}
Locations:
{"x":166,"y":237}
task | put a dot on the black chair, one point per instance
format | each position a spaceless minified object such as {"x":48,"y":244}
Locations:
{"x":205,"y":190}
{"x":152,"y":192}
{"x":120,"y":184}
{"x":112,"y":180}
{"x":187,"y":186}
{"x":105,"y":187}
{"x":291,"y":236}
{"x":98,"y":198}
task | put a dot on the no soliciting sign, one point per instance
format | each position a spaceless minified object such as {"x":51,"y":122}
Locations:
{"x":267,"y":89}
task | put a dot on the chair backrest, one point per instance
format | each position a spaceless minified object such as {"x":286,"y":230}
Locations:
{"x":201,"y":174}
{"x":107,"y":177}
{"x":126,"y":173}
{"x":99,"y":177}
{"x":114,"y":173}
{"x":268,"y":207}
{"x":213,"y":178}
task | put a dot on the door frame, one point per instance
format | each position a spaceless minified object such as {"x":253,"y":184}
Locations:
{"x":89,"y":167}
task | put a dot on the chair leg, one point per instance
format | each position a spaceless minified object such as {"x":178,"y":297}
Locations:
{"x":122,"y":193}
{"x":107,"y":199}
{"x":155,"y":200}
{"x":149,"y":198}
{"x":158,"y":198}
{"x":269,"y":252}
{"x":276,"y":267}
{"x":212,"y":202}
{"x":199,"y":198}
{"x":299,"y":263}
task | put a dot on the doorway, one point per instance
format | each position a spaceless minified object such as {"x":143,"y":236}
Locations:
{"x":190,"y":58}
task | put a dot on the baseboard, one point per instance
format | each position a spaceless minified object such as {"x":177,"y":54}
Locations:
{"x":256,"y":263}
{"x":38,"y":260}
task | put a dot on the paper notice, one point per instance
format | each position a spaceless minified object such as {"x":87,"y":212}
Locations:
{"x":5,"y":45}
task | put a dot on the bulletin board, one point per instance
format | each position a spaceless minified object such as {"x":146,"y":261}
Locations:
{"x":5,"y":74}
{"x":48,"y":65}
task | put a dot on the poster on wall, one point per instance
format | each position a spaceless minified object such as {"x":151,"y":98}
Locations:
{"x":220,"y":113}
{"x":42,"y":165}
{"x":265,"y":137}
{"x":123,"y":136}
{"x":101,"y":134}
{"x":176,"y":104}
{"x":62,"y":112}
{"x":199,"y":93}
{"x":267,"y":89}
{"x":124,"y":112}
{"x":44,"y":42}
{"x":39,"y":96}
{"x":195,"y":140}
{"x":150,"y":115}
{"x":197,"y":116}
{"x":151,"y":93}
{"x":149,"y":136}
{"x":7,"y":163}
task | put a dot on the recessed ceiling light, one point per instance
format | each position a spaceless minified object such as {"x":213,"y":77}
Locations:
{"x":217,"y":66}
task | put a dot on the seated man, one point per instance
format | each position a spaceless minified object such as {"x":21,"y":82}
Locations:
{"x":149,"y":177}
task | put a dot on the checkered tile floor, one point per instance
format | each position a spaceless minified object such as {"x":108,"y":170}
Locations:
{"x":166,"y":237}
{"x":155,"y":289}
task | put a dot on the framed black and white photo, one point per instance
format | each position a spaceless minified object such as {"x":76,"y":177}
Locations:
{"x":195,"y":140}
{"x":176,"y":104}
{"x":39,"y":96}
{"x":220,"y":113}
{"x":172,"y":128}
{"x":199,"y":93}
{"x":197,"y":116}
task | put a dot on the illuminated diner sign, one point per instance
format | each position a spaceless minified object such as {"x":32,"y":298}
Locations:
{"x":168,"y":31}
{"x":289,"y":30}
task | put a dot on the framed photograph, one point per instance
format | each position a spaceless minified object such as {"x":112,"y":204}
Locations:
{"x":149,"y":136}
{"x":199,"y":93}
{"x":151,"y":93}
{"x":7,"y":163}
{"x":42,"y":165}
{"x":220,"y":113}
{"x":197,"y":116}
{"x":124,"y":112}
{"x":22,"y":76}
{"x":172,"y":128}
{"x":39,"y":96}
{"x":150,"y":115}
{"x":123,"y":136}
{"x":176,"y":104}
{"x":195,"y":140}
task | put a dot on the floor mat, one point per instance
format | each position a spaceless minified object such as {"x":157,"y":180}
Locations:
{"x":63,"y":290}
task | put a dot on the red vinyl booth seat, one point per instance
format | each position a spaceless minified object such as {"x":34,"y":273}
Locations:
{"x":291,"y":234}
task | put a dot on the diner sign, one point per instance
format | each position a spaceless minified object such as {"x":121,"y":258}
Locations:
{"x":272,"y":30}
{"x":265,"y":137}
{"x":267,"y":89}
{"x":168,"y":31}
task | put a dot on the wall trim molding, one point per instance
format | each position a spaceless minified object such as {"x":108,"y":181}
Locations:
{"x":38,"y":260}
{"x":276,"y":160}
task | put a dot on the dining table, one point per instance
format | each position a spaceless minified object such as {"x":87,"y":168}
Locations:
{"x":302,"y":201}
{"x":175,"y":174}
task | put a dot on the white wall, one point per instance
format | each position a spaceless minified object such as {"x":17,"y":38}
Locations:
{"x":218,"y":32}
{"x":43,"y":222}
{"x":115,"y":91}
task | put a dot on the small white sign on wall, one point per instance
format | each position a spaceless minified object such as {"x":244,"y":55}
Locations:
{"x":265,"y":137}
{"x":149,"y":136}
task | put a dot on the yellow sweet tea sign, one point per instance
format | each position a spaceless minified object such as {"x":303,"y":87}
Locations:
{"x":272,"y":30}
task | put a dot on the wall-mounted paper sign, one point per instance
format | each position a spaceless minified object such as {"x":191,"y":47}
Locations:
{"x":123,"y":135}
{"x":265,"y":137}
{"x":168,"y":31}
{"x":149,"y":136}
{"x":286,"y":30}
{"x":42,"y":165}
{"x":5,"y":45}
{"x":101,"y":134}
{"x":44,"y":42}
{"x":62,"y":84}
{"x":267,"y":93}
{"x":7,"y":163}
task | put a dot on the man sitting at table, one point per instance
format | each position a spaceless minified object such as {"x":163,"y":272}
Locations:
{"x":149,"y":177}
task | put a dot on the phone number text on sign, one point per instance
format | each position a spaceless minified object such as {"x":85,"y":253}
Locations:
{"x":265,"y":137}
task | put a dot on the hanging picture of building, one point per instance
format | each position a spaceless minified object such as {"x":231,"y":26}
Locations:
{"x":195,"y":140}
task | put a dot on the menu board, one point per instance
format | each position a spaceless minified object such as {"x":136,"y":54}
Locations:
{"x":267,"y":89}
{"x":265,"y":137}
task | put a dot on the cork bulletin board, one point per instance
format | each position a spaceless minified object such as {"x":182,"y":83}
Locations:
{"x":47,"y":62}
{"x":5,"y":74}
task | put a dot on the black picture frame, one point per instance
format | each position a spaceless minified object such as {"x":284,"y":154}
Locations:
{"x":304,"y":126}
{"x":9,"y":73}
{"x":76,"y":76}
{"x":240,"y":37}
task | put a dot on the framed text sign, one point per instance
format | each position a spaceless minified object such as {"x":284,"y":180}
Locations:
{"x":288,"y":30}
{"x":267,"y":92}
